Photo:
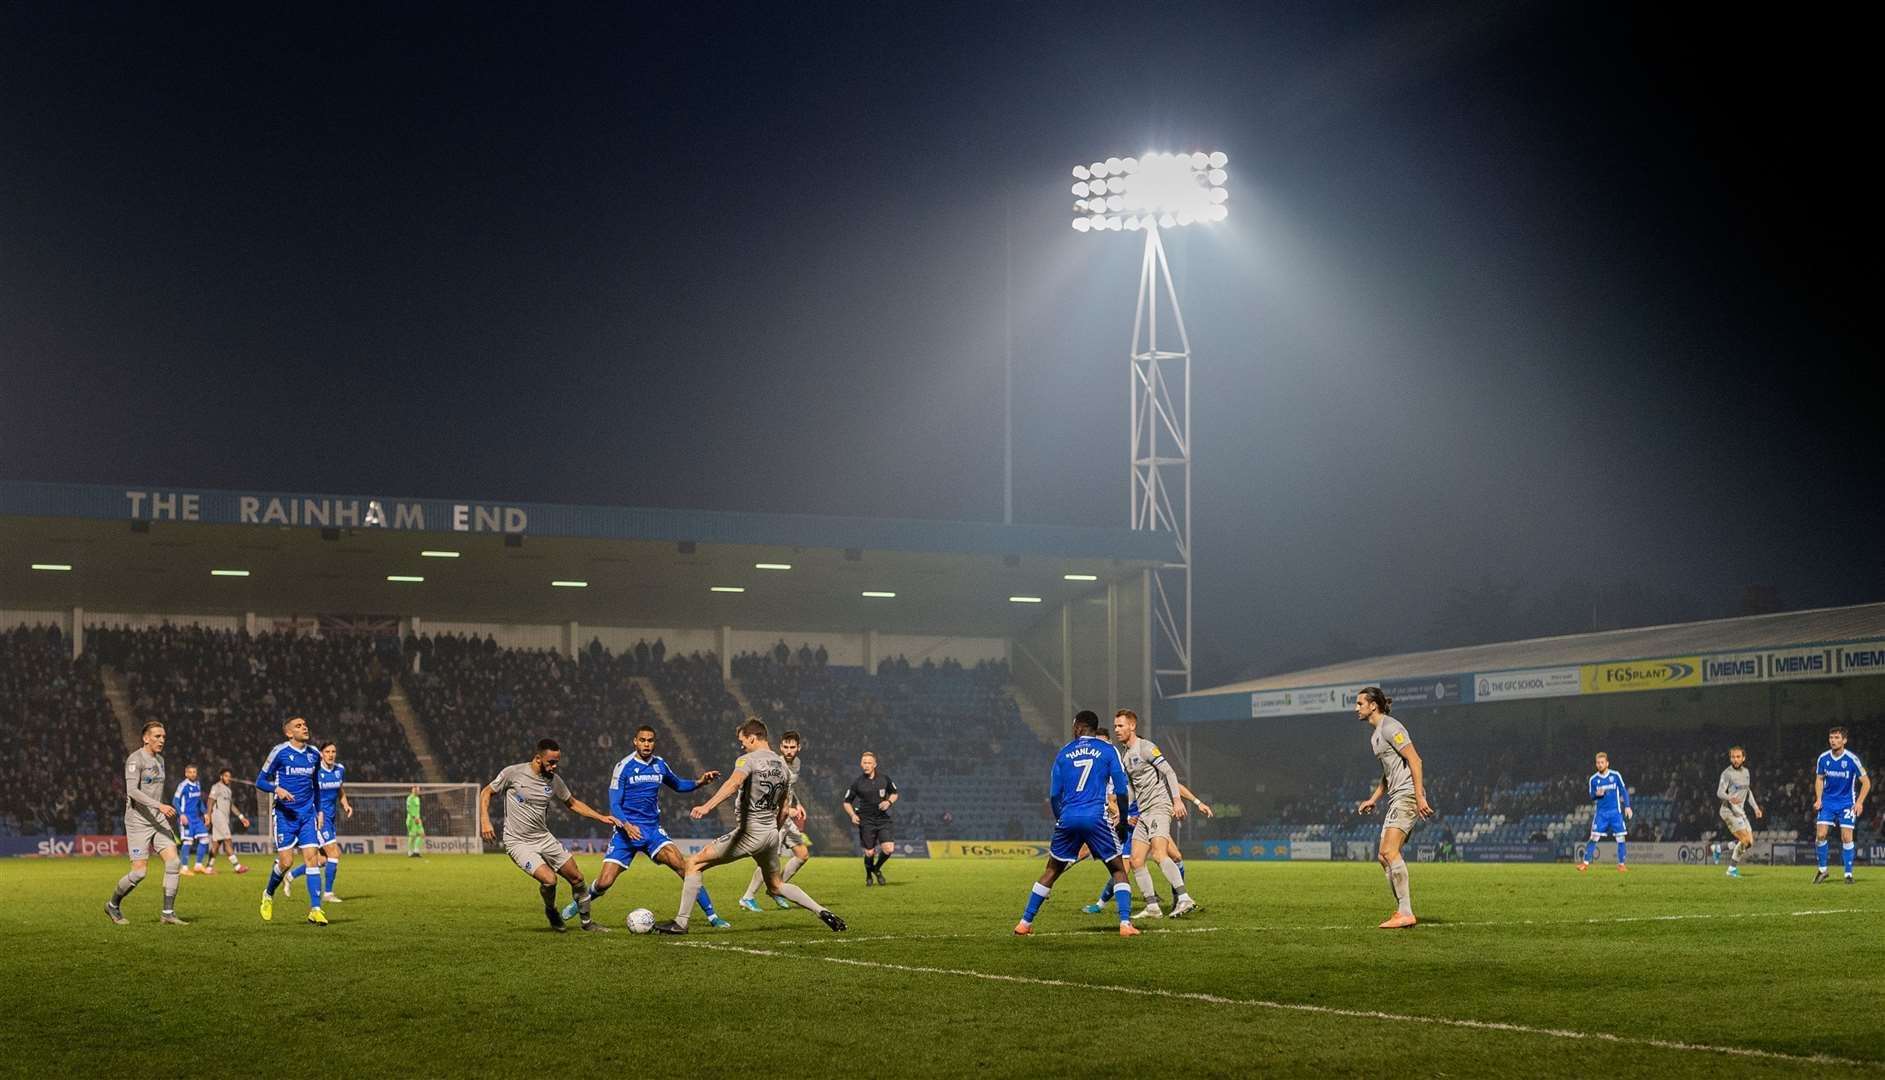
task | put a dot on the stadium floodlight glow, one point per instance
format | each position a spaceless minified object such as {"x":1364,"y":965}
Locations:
{"x":52,"y":566}
{"x":772,"y":566}
{"x":228,"y":573}
{"x":726,"y":588}
{"x":1151,"y":193}
{"x":406,"y":579}
{"x":1158,"y":189}
{"x":1024,"y":599}
{"x":439,"y":554}
{"x":570,"y":584}
{"x":878,"y":594}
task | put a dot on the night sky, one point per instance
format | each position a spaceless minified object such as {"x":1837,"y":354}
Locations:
{"x":1556,"y":304}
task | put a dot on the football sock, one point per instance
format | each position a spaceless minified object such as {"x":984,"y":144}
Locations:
{"x":791,"y":867}
{"x":331,"y":870}
{"x":1622,"y":852}
{"x":705,"y":902}
{"x":1734,"y":854}
{"x":1106,"y":892}
{"x":314,"y":891}
{"x":171,"y":870}
{"x":583,"y":899}
{"x":1845,"y":856}
{"x":1143,"y":877}
{"x":1819,"y":848}
{"x":1397,"y":880}
{"x":690,"y":891}
{"x":869,"y":865}
{"x":1181,"y":868}
{"x":1036,"y":897}
{"x":1590,"y":851}
{"x":882,"y":858}
{"x":797,"y":896}
{"x":1173,"y":876}
{"x":596,"y":889}
{"x":274,"y":880}
{"x":1122,"y":898}
{"x":125,"y":885}
{"x":548,"y":892}
{"x":202,"y":852}
{"x":300,"y":870}
{"x":753,"y":884}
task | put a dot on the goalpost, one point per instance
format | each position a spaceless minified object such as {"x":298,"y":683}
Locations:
{"x":448,"y":811}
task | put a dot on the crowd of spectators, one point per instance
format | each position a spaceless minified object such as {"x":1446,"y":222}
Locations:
{"x":62,"y":761}
{"x":485,"y":707}
{"x":223,"y":695}
{"x":1672,"y":772}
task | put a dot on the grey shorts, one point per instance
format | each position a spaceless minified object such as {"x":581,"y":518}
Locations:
{"x":790,"y":837}
{"x":761,"y":845}
{"x":1401,"y":813}
{"x":529,"y":854}
{"x":145,"y":839}
{"x":1156,"y":825}
{"x":1736,"y":820}
{"x":219,"y":830}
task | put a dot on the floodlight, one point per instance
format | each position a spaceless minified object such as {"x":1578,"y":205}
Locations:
{"x":1158,"y":190}
{"x":726,"y":588}
{"x":53,"y":566}
{"x":407,"y":579}
{"x":569,"y":584}
{"x":228,"y":573}
{"x":1081,"y":224}
{"x":1080,"y":172}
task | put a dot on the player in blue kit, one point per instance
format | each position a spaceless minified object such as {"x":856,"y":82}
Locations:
{"x":1088,"y":787}
{"x":291,"y":773}
{"x":1835,"y":775}
{"x":634,"y":796}
{"x":192,"y":823}
{"x":331,"y":781}
{"x":1612,"y":797}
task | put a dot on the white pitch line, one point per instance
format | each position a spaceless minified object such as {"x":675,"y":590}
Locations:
{"x":1319,"y":1010}
{"x":861,"y":939}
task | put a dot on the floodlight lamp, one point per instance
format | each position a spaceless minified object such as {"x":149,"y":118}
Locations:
{"x":1129,"y":165}
{"x":1219,"y":159}
{"x":1080,"y":190}
{"x":1098,"y":168}
{"x":1201,"y":160}
{"x":1218,"y":195}
{"x":1081,"y":224}
{"x":1220,"y":212}
{"x":1115,"y":203}
{"x":1114,"y":165}
{"x":1113,"y":223}
{"x":1132,"y":224}
{"x":1080,"y":172}
{"x":1098,"y":187}
{"x":1217,"y":177}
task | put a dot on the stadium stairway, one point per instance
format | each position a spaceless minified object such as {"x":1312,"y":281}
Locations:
{"x":416,"y":740}
{"x":821,"y":824}
{"x":1038,"y":724}
{"x":119,"y":698}
{"x":671,"y":733}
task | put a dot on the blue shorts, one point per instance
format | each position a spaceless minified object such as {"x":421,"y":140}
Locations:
{"x":325,"y":834}
{"x":1836,"y":816}
{"x":1096,"y":836}
{"x":189,"y":828}
{"x":1608,"y":825}
{"x":294,"y":832}
{"x":622,"y":850}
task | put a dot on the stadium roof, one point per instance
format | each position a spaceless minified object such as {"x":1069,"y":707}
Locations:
{"x":152,"y":550}
{"x":1822,"y":627}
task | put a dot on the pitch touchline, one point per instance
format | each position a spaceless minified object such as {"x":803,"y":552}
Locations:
{"x":850,"y":939}
{"x":1287,"y":1006}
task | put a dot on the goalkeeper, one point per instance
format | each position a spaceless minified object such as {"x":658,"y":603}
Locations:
{"x":415,"y":828}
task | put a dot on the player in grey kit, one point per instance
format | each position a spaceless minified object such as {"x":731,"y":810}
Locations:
{"x":793,"y":849}
{"x":761,"y":787}
{"x":1736,"y":792}
{"x":1405,"y":786}
{"x":529,"y":787}
{"x":148,"y":825}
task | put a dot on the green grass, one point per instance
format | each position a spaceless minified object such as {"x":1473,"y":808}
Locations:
{"x":444,"y":967}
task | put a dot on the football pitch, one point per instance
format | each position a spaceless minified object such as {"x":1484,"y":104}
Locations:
{"x":445,"y":967}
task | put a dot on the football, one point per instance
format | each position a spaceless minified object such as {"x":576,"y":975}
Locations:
{"x":640,"y":921}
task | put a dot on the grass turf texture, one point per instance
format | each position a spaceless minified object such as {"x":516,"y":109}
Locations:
{"x":444,"y":966}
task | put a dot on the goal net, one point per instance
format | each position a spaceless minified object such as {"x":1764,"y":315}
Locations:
{"x":449,"y":813}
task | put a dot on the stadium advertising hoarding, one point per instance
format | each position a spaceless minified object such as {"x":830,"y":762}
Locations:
{"x":1425,"y":693}
{"x":987,"y":849}
{"x":1305,"y":701}
{"x":1261,"y":850}
{"x":1532,"y":683}
{"x":1508,"y":852}
{"x":1738,"y":667}
{"x":1862,"y":658}
{"x":1633,"y":675}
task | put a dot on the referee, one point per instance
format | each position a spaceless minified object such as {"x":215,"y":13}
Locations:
{"x":868,"y":801}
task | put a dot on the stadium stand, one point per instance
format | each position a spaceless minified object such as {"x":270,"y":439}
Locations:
{"x":224,"y":693}
{"x":61,"y":762}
